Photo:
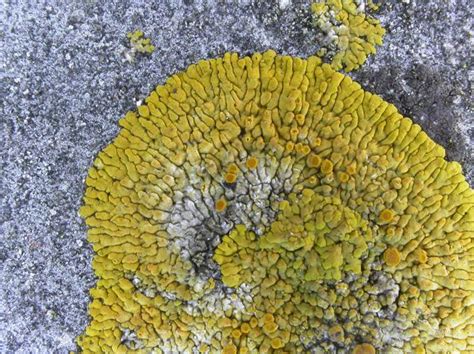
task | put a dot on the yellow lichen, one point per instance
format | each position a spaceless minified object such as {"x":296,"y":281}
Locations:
{"x":336,"y":333}
{"x":314,"y":160}
{"x":236,"y":334}
{"x":245,"y":328}
{"x":392,"y":257}
{"x":364,"y":348}
{"x":277,"y":343}
{"x":386,"y":215}
{"x":344,"y":226}
{"x":233,"y":168}
{"x":268,"y":318}
{"x":252,"y":163}
{"x":343,"y":177}
{"x":326,"y":166}
{"x":351,"y":33}
{"x":221,"y":205}
{"x":139,"y":44}
{"x":230,"y":349}
{"x":230,"y":177}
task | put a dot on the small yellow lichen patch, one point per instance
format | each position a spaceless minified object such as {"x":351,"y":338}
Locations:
{"x":245,"y":328}
{"x":252,"y":163}
{"x":268,"y":317}
{"x":421,"y":255}
{"x":270,"y":327}
{"x":351,"y":169}
{"x":326,"y":167}
{"x":364,"y":348}
{"x":230,"y":178}
{"x":386,"y":215}
{"x":313,"y":161}
{"x":230,"y":349}
{"x":277,"y":343}
{"x":336,"y":333}
{"x":221,"y":205}
{"x":351,"y":34}
{"x":236,"y":334}
{"x":233,"y":168}
{"x":139,"y":44}
{"x":392,"y":257}
{"x":343,"y":177}
{"x":253,"y":322}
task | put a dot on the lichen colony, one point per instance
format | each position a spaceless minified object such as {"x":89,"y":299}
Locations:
{"x":351,"y":34}
{"x":270,"y":204}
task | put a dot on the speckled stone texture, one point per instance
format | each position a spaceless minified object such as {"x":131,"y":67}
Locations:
{"x":65,"y":83}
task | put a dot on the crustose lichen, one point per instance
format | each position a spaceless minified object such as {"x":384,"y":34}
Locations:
{"x":270,"y":204}
{"x":350,"y":33}
{"x":138,"y":44}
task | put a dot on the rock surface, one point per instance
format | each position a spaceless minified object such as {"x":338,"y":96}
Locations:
{"x":66,"y":82}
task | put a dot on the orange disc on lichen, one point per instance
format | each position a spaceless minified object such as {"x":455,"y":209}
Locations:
{"x":289,"y":146}
{"x":277,"y":343}
{"x":233,"y":168}
{"x":351,"y":169}
{"x":268,"y":317}
{"x":326,"y":167}
{"x":236,"y":333}
{"x":364,"y":348}
{"x":313,"y":160}
{"x":252,"y":163}
{"x":230,"y":177}
{"x":294,"y":132}
{"x":386,"y":215}
{"x":421,"y":255}
{"x":392,"y":257}
{"x":343,"y":177}
{"x":270,"y":327}
{"x":253,"y":322}
{"x":229,"y":349}
{"x":245,"y":328}
{"x":221,"y":205}
{"x":317,"y":142}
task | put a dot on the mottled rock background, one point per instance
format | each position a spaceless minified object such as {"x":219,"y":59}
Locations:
{"x":65,"y":83}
